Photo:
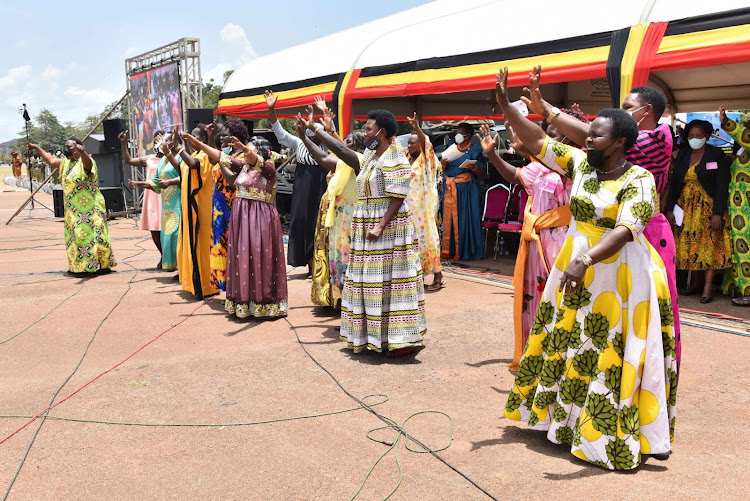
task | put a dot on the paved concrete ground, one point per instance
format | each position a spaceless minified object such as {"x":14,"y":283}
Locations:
{"x":211,"y":369}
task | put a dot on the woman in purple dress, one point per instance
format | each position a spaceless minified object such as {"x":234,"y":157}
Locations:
{"x":256,"y":268}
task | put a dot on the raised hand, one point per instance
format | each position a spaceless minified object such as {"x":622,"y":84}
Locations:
{"x":576,"y":107}
{"x":320,"y":104}
{"x":211,"y":129}
{"x":501,"y":86}
{"x":300,"y":125}
{"x":723,"y":115}
{"x":79,"y":148}
{"x":327,"y":120}
{"x":194,"y":142}
{"x":236,"y":144}
{"x":489,"y":143}
{"x":310,"y":122}
{"x":31,"y":146}
{"x":414,"y":121}
{"x":165,"y":147}
{"x":534,"y":102}
{"x":270,"y":99}
{"x":123,"y":136}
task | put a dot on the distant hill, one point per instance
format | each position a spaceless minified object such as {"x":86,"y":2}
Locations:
{"x":8,"y":144}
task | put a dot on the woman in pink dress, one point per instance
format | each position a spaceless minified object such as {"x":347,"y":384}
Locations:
{"x":546,"y":219}
{"x":151,"y":206}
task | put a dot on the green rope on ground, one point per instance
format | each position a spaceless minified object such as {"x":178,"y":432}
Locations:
{"x":383,"y":399}
{"x":401,"y":432}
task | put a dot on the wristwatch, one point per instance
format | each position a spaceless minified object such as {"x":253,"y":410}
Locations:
{"x":552,"y":114}
{"x":586,"y":260}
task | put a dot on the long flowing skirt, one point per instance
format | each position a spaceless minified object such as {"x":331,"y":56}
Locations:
{"x":256,"y":273}
{"x":86,"y":232}
{"x":599,"y":370}
{"x":220,"y":216}
{"x":382,"y":304}
{"x":659,"y":234}
{"x":309,"y":186}
{"x":739,"y":218}
{"x":340,"y":241}
{"x":321,"y":291}
{"x":467,"y":225}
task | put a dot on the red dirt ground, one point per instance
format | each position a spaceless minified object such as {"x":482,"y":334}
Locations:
{"x":211,"y":369}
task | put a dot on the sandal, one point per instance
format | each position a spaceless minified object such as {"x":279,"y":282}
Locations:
{"x":433,"y":287}
{"x":706,"y":299}
{"x":400,"y":352}
{"x":741,"y":301}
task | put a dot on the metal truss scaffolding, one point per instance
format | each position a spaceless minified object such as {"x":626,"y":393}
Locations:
{"x":186,"y":51}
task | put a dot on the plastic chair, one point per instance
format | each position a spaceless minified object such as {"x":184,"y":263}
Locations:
{"x":513,"y":218}
{"x":495,"y":206}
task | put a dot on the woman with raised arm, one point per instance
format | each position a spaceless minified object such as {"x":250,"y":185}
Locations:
{"x":151,"y":205}
{"x":423,"y":202}
{"x":739,"y":208}
{"x":382,"y":304}
{"x":86,"y":233}
{"x":222,"y":201}
{"x":599,"y":372}
{"x":545,"y":224}
{"x":309,"y":186}
{"x":194,"y":248}
{"x":166,"y":182}
{"x":256,"y":272}
{"x":333,"y":233}
{"x":652,"y":151}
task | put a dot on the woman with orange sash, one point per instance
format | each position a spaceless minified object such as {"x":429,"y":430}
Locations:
{"x":545,"y":223}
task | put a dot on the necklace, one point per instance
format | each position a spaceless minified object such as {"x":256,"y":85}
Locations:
{"x":613,"y":170}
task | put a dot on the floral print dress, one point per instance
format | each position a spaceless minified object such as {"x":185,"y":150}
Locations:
{"x":599,"y":372}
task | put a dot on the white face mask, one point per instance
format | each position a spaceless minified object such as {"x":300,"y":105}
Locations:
{"x":632,"y":112}
{"x":697,"y":142}
{"x":459,"y":138}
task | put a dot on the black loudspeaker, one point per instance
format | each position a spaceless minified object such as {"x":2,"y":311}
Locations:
{"x":110,"y":167}
{"x":112,"y":129}
{"x":197,"y":116}
{"x":114,"y":199}
{"x":249,"y":125}
{"x":58,"y":202}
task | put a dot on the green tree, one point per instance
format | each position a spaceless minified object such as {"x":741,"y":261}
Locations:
{"x":46,"y":131}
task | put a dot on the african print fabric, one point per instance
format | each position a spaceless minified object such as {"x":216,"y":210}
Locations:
{"x":698,"y":246}
{"x":343,"y":187}
{"x":598,"y":372}
{"x":220,"y":215}
{"x":382,"y":305}
{"x":171,"y":212}
{"x":194,"y":246}
{"x":423,"y":203}
{"x":86,"y":233}
{"x":739,"y":209}
{"x":321,"y":291}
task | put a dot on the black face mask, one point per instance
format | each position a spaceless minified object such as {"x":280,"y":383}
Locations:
{"x":373,"y":142}
{"x":597,"y":158}
{"x":67,"y":151}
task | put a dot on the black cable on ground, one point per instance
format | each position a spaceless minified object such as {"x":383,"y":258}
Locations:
{"x":57,"y":392}
{"x":389,"y":422}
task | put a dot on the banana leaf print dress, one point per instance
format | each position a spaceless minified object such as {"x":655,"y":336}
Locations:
{"x":171,"y":212}
{"x":86,"y":233}
{"x":739,"y":209}
{"x":599,"y":371}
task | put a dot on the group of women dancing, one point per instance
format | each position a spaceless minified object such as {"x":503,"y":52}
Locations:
{"x":597,"y":338}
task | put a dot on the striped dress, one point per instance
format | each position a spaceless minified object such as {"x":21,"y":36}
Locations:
{"x":382,"y":304}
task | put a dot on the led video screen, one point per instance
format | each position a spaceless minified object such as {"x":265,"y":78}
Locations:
{"x":157,"y":104}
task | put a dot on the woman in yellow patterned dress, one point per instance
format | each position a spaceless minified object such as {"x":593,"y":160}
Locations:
{"x":86,"y":233}
{"x":599,"y":371}
{"x":700,"y":186}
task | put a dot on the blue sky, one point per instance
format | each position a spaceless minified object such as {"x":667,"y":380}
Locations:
{"x":70,"y":56}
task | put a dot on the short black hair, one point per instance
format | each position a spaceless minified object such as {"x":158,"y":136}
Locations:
{"x":652,"y":96}
{"x":623,"y":125}
{"x":203,"y":132}
{"x":707,"y":127}
{"x":237,"y":129}
{"x":74,"y":139}
{"x":263,"y":145}
{"x":467,"y":127}
{"x":358,"y":141}
{"x":385,"y":120}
